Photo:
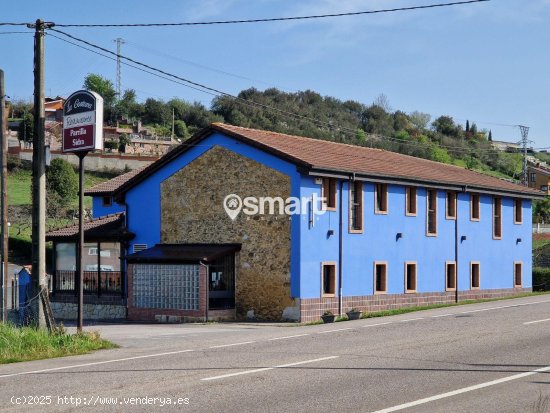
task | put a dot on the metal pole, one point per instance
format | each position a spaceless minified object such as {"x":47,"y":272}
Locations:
{"x":3,"y":201}
{"x":80,"y":318}
{"x":39,"y":175}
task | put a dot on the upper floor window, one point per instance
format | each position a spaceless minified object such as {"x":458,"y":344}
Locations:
{"x":410,"y":201}
{"x":533,"y":177}
{"x":518,"y":211}
{"x":328,"y":193}
{"x":431,"y":213}
{"x":474,"y":207}
{"x":107,"y":201}
{"x":497,"y":218}
{"x":450,"y":210}
{"x":381,"y":198}
{"x":356,"y":206}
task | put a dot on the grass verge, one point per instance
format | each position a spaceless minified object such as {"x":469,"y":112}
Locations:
{"x":27,"y":343}
{"x":405,"y":310}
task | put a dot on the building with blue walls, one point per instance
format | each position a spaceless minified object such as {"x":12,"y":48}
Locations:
{"x":238,"y":222}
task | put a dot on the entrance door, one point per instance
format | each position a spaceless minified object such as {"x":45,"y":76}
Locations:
{"x":221,"y":293}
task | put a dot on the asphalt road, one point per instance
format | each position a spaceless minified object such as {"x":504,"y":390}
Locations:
{"x":490,"y":357}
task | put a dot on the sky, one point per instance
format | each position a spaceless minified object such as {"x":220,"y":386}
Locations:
{"x":485,"y":62}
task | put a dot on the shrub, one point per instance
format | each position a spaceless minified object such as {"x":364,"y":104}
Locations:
{"x":541,"y":279}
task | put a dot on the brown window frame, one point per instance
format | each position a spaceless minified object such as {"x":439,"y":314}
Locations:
{"x":450,"y":205}
{"x":497,"y":217}
{"x":382,"y":264}
{"x":407,"y":265}
{"x":475,"y":275}
{"x":331,"y":266}
{"x":328,"y":193}
{"x":518,"y":264}
{"x":475,"y":207}
{"x":449,"y":287}
{"x":411,"y":204}
{"x":382,"y":189}
{"x":518,"y":211}
{"x":428,"y":232}
{"x":106,"y":203}
{"x":356,"y":207}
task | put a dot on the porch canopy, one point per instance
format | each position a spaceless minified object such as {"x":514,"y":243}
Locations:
{"x":183,"y":253}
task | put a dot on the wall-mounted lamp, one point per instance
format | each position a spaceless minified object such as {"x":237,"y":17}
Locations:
{"x":330,"y":233}
{"x":398,"y":236}
{"x":463,"y":238}
{"x":518,"y":240}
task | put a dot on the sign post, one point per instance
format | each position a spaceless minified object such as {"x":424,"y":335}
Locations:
{"x":82,"y":132}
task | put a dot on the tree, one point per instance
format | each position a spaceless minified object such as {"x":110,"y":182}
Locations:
{"x":105,"y":88}
{"x":26,"y":129}
{"x":467,"y":125}
{"x":419,"y":120}
{"x":541,"y":210}
{"x":446,"y":126}
{"x":123,"y":141}
{"x":490,"y":136}
{"x":128,"y":105}
{"x":63,"y":180}
{"x":180,"y":129}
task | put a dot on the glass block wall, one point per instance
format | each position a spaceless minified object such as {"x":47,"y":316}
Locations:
{"x":166,"y":286}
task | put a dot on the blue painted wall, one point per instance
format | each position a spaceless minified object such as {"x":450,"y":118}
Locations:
{"x":378,"y":242}
{"x":98,"y":210}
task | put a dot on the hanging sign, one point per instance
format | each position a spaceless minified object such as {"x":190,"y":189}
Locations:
{"x":83,"y":122}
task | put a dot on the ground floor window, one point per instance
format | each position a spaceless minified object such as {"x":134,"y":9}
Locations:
{"x":101,"y":263}
{"x":380,"y":277}
{"x":410,"y":277}
{"x":450,"y":275}
{"x":474,"y":275}
{"x":328,"y":281}
{"x":517,"y":274}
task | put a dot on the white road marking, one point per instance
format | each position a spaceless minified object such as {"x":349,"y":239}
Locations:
{"x":233,"y":344}
{"x":411,"y":319}
{"x":442,"y":315}
{"x":333,"y":331}
{"x":268,"y":368}
{"x":95,"y":363}
{"x":377,"y":324}
{"x":284,"y":338}
{"x":536,"y":321}
{"x":463,"y":390}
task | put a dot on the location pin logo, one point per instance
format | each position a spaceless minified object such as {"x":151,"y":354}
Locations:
{"x":232,"y":204}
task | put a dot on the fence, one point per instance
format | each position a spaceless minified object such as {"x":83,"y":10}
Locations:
{"x":96,"y":282}
{"x":541,"y":228}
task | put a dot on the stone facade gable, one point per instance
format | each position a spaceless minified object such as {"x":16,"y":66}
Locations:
{"x":192,"y":212}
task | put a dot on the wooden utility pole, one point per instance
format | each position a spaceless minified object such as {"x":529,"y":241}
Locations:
{"x":4,"y":199}
{"x":39,"y":175}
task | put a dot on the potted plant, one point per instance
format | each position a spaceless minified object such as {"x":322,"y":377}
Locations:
{"x":328,"y":317}
{"x":353,"y":314}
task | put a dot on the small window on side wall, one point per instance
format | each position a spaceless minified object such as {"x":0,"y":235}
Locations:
{"x":107,"y":201}
{"x":474,"y":275}
{"x":381,"y":198}
{"x":410,"y":277}
{"x":518,"y":211}
{"x":380,"y":277}
{"x":328,"y":279}
{"x":410,"y":201}
{"x":431,"y":213}
{"x":328,"y":193}
{"x":450,"y":275}
{"x":474,"y":207}
{"x":517,"y":274}
{"x":356,"y":207}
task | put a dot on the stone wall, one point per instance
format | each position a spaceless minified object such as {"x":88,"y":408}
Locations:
{"x":192,"y":212}
{"x":68,"y":311}
{"x":311,"y":309}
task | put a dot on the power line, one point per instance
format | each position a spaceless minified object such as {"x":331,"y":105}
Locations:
{"x":215,"y":92}
{"x":276,"y":19}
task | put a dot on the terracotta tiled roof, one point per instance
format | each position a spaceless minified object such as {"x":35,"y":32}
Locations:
{"x":331,"y":156}
{"x":104,"y":228}
{"x":111,"y":186}
{"x":325,"y":157}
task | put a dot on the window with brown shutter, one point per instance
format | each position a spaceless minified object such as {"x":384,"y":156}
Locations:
{"x":328,"y":279}
{"x":474,"y":275}
{"x":497,"y":218}
{"x":431,"y":213}
{"x":450,"y":275}
{"x":328,"y":193}
{"x":474,"y":207}
{"x":410,"y":277}
{"x":356,"y":207}
{"x":381,"y":199}
{"x":380,"y":278}
{"x":450,"y":210}
{"x":517,"y":274}
{"x":410,"y":201}
{"x":518,"y":211}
